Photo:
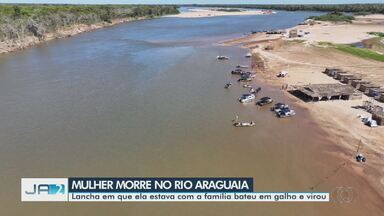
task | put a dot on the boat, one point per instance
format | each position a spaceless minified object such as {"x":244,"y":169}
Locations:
{"x":248,"y":74}
{"x":242,"y":66}
{"x":248,"y":55}
{"x":254,"y":91}
{"x":244,"y":124}
{"x":247,"y":86}
{"x":264,"y":101}
{"x":245,"y":79}
{"x":237,"y":71}
{"x":278,"y":107}
{"x":285,"y":112}
{"x":247,"y":98}
{"x":222,"y":57}
{"x":228,"y":85}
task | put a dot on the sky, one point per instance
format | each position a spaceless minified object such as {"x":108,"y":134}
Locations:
{"x":194,"y":1}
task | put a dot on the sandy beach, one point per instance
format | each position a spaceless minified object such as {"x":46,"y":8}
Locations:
{"x":213,"y":12}
{"x":305,"y":61}
{"x":340,"y":33}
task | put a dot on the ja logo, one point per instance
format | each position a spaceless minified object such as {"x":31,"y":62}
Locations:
{"x":51,"y":189}
{"x":44,"y":189}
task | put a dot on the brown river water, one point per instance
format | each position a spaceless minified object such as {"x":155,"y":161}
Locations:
{"x":147,"y":99}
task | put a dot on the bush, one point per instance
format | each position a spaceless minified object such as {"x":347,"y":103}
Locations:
{"x":379,"y":34}
{"x":334,"y":17}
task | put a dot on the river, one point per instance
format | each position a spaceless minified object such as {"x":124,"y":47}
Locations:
{"x":147,"y":98}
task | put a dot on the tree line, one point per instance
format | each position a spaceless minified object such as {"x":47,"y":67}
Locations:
{"x":353,"y":8}
{"x":334,"y":17}
{"x":19,"y":20}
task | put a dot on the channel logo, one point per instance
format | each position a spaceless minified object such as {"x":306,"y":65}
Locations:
{"x":44,"y":189}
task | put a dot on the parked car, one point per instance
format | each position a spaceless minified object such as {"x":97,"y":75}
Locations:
{"x":278,"y":106}
{"x":264,"y":101}
{"x":247,"y":98}
{"x":285,"y":112}
{"x":360,"y":158}
{"x":282,"y":74}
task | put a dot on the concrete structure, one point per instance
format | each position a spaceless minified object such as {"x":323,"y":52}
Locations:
{"x":365,"y":87}
{"x":348,"y":79}
{"x":381,"y":98}
{"x":356,"y":83}
{"x":344,"y":78}
{"x":323,"y":92}
{"x":372,"y":92}
{"x":331,"y":71}
{"x":378,"y":115}
{"x":340,"y":75}
{"x":293,"y":33}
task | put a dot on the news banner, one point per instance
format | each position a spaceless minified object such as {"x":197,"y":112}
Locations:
{"x":75,"y":189}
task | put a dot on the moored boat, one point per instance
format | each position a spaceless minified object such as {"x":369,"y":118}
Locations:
{"x":242,"y":66}
{"x":244,"y":124}
{"x":228,"y":85}
{"x":222,"y":57}
{"x":237,"y":71}
{"x":248,"y":79}
{"x":248,"y":74}
{"x":254,"y":91}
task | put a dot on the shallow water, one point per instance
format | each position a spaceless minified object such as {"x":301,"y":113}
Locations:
{"x":147,"y":99}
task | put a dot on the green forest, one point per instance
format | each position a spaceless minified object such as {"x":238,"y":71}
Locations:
{"x":334,"y":17}
{"x":353,"y":8}
{"x":17,"y":21}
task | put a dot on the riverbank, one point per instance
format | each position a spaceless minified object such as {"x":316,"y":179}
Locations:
{"x":28,"y":41}
{"x":305,"y":60}
{"x":25,"y":25}
{"x":213,"y":12}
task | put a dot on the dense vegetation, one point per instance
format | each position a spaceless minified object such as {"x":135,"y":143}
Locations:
{"x":17,"y":21}
{"x":229,"y":10}
{"x":334,"y":17}
{"x":354,"y":8}
{"x":379,"y":34}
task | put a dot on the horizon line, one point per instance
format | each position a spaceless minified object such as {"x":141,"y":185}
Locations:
{"x":53,"y":3}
